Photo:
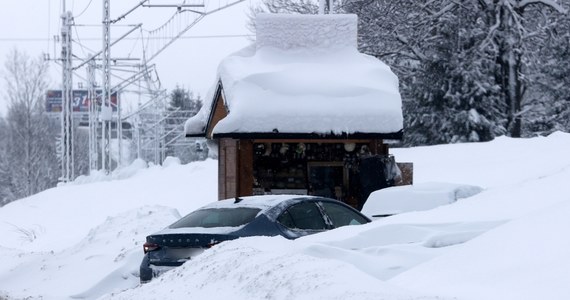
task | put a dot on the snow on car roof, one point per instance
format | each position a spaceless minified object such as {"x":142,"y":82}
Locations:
{"x":262,"y":202}
{"x":304,"y":68}
{"x":417,"y":197}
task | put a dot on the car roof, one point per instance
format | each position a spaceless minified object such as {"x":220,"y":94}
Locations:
{"x":263,"y":202}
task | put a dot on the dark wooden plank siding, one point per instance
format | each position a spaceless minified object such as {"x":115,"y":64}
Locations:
{"x":228,"y":173}
{"x":221,"y":170}
{"x":245,"y":178}
{"x":219,"y":113}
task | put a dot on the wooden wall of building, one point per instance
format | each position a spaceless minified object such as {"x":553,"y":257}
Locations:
{"x":236,"y":165}
{"x":227,"y":168}
{"x":235,"y":168}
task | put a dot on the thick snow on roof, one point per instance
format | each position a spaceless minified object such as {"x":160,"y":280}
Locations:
{"x":304,"y":74}
{"x":314,"y":32}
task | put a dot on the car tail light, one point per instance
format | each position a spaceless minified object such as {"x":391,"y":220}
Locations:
{"x":213,"y":243}
{"x":148,"y":247}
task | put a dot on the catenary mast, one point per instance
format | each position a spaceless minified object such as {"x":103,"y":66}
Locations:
{"x":102,"y":111}
{"x":106,"y":110}
{"x":66,"y":144}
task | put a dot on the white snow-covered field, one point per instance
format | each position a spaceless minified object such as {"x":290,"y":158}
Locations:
{"x":84,"y":240}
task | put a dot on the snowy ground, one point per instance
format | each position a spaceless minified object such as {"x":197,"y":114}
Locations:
{"x":83,"y":241}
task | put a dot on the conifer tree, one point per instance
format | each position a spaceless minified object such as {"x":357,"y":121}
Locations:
{"x":183,"y":105}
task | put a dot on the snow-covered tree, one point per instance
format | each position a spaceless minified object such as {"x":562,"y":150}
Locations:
{"x":184,"y":100}
{"x":465,"y":66}
{"x":450,"y":97}
{"x":469,"y":70}
{"x":547,"y":105}
{"x":517,"y":30}
{"x":183,"y":105}
{"x":6,"y":194}
{"x":30,"y":134}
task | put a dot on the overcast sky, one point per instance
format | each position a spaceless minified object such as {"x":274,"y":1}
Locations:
{"x":30,"y":26}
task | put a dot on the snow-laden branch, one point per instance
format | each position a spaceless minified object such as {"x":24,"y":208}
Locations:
{"x":426,"y":6}
{"x":444,"y":10}
{"x":550,"y":3}
{"x":540,"y":31}
{"x":523,"y":111}
{"x":485,"y":3}
{"x":516,"y":18}
{"x":492,"y":30}
{"x":416,"y":51}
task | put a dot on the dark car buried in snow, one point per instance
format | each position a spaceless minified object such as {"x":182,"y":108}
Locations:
{"x":290,"y":216}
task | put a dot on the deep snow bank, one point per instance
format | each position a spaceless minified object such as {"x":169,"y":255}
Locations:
{"x":86,"y":239}
{"x":483,"y":247}
{"x":507,"y":242}
{"x":523,"y":259}
{"x":265,"y":268}
{"x":60,"y":217}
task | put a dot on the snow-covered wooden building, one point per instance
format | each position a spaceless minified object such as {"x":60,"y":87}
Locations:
{"x":302,"y":111}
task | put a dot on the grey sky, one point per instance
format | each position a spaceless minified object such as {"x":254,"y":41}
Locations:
{"x":30,"y":26}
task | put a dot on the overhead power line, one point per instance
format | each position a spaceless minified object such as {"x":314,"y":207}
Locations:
{"x":84,"y":10}
{"x":220,"y":36}
{"x":149,"y":117}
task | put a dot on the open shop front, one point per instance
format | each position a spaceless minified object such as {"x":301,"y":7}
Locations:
{"x":346,"y":171}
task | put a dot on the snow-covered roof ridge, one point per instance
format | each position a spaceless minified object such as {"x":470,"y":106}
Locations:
{"x":314,"y":32}
{"x":303,"y":76}
{"x":196,"y":125}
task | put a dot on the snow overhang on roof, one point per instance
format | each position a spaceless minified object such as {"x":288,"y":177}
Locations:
{"x":304,"y":75}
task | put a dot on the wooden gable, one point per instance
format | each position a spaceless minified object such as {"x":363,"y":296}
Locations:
{"x":218,"y":112}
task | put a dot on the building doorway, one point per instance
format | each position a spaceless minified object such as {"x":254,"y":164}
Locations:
{"x":328,"y":179}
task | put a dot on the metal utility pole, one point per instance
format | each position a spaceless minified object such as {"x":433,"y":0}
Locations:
{"x":102,"y":111}
{"x":119,"y":130}
{"x":66,"y":145}
{"x":93,"y":116}
{"x":106,"y":109}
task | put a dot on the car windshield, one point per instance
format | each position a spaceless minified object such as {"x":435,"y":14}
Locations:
{"x":217,"y":217}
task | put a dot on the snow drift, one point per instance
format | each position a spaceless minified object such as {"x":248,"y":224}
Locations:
{"x":507,"y":242}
